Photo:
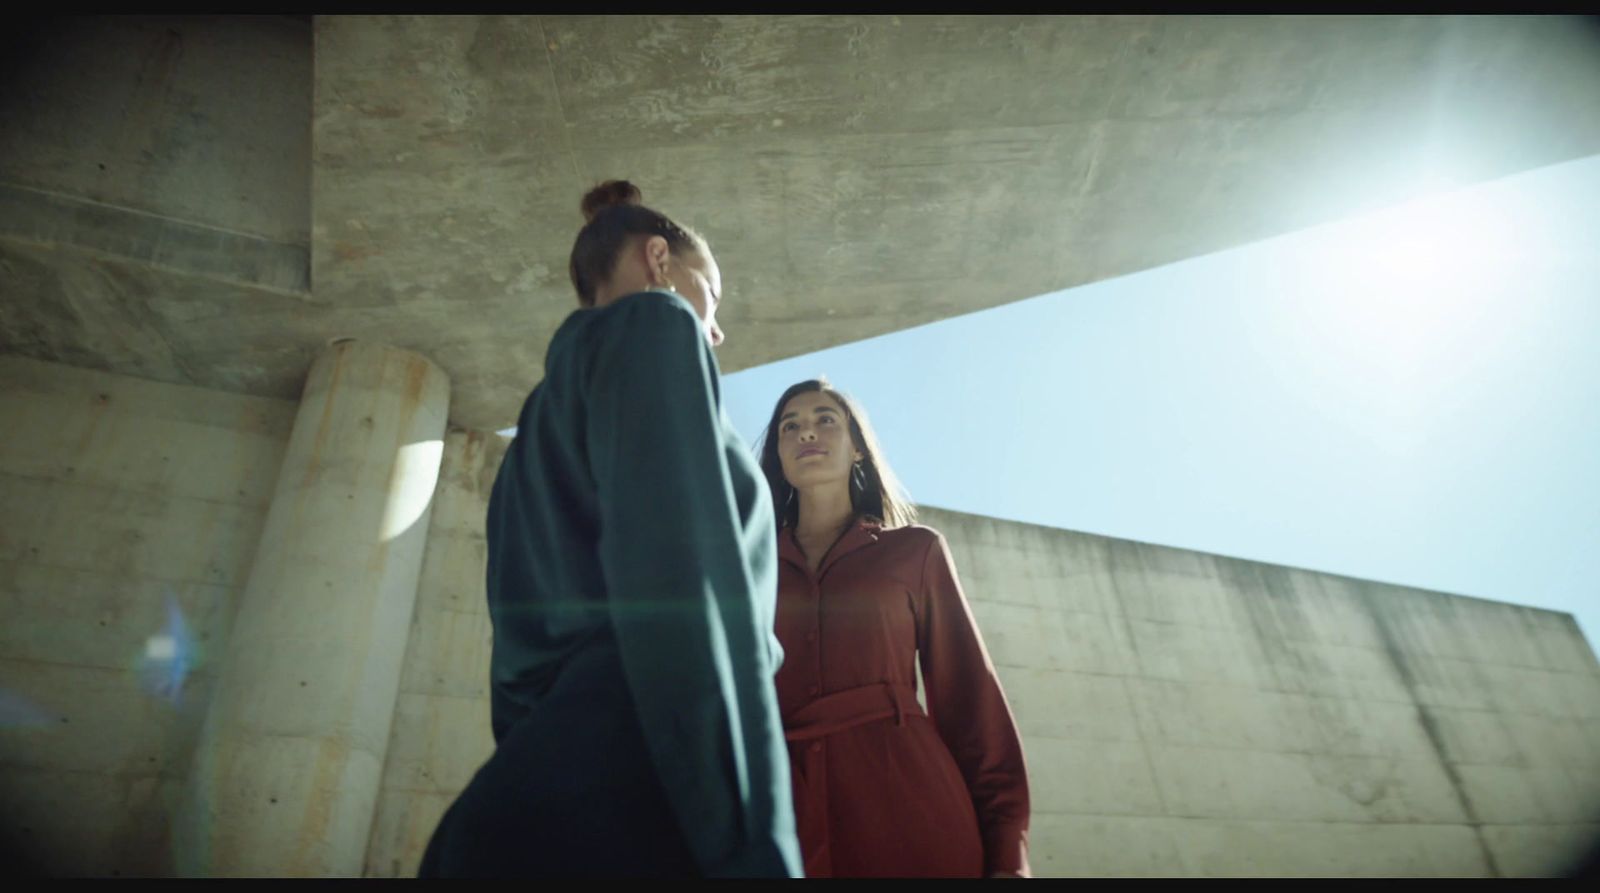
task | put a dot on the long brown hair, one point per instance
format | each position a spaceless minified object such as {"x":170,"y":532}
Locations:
{"x":878,"y":495}
{"x":614,"y":214}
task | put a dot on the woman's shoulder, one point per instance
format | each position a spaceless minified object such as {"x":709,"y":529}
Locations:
{"x":912,"y":535}
{"x":645,"y":304}
{"x":635,"y":326}
{"x":642,"y":322}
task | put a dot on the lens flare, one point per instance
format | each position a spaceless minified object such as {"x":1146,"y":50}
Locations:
{"x":168,"y":656}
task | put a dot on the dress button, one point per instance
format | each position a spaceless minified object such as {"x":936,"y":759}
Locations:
{"x":812,"y":690}
{"x":811,"y":636}
{"x":816,"y":747}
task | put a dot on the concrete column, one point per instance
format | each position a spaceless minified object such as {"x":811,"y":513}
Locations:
{"x":286,"y":774}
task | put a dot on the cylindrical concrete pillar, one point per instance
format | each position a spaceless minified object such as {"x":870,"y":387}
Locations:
{"x":286,"y":773}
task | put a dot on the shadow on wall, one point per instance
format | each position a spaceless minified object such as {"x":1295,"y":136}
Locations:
{"x":1587,"y":867}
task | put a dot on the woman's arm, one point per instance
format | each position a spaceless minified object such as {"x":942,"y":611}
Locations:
{"x":680,"y":586}
{"x":970,"y":711}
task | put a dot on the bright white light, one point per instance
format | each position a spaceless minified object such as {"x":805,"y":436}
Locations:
{"x":1391,"y":312}
{"x":161,"y":648}
{"x":411,"y":485}
{"x":1430,"y":250}
{"x":1407,"y":286}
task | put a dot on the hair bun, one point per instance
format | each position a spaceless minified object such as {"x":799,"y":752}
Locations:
{"x":609,"y":194}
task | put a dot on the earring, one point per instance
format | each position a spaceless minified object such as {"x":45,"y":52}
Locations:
{"x":858,"y":477}
{"x":667,"y":283}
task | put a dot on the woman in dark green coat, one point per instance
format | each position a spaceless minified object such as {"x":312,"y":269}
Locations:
{"x":632,"y":579}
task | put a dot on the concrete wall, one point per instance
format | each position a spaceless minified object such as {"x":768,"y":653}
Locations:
{"x":155,"y":198}
{"x":203,"y":119}
{"x":1190,"y":714}
{"x":114,"y":492}
{"x":441,"y":731}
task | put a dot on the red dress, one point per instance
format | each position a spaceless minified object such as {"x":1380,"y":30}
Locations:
{"x":880,"y":788}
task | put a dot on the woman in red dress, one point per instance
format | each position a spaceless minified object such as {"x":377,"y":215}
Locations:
{"x":882,"y":788}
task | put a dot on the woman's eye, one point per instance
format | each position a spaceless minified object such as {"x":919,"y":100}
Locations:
{"x":789,"y":427}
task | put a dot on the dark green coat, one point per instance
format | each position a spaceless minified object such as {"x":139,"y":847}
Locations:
{"x":629,"y":517}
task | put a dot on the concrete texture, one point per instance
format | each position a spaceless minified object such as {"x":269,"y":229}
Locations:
{"x":113,"y":493}
{"x":200,"y":119}
{"x":1197,"y":715}
{"x":856,"y":175}
{"x":441,"y":725}
{"x":285,"y":776}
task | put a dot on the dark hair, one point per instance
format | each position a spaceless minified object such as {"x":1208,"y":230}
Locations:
{"x":879,"y":496}
{"x":615,"y":215}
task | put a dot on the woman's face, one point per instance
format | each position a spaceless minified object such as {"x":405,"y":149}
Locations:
{"x":814,"y":441}
{"x":695,"y":276}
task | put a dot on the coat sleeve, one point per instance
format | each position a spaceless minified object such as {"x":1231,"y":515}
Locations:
{"x":680,"y":589}
{"x":969,"y":709}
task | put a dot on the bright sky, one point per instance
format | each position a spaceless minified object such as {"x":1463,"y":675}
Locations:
{"x":1408,"y":396}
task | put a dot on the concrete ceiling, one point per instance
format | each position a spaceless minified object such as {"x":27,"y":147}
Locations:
{"x":855,"y":175}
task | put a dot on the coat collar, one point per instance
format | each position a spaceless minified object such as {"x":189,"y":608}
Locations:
{"x":864,"y":532}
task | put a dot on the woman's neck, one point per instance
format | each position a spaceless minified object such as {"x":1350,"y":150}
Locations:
{"x":824,"y":511}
